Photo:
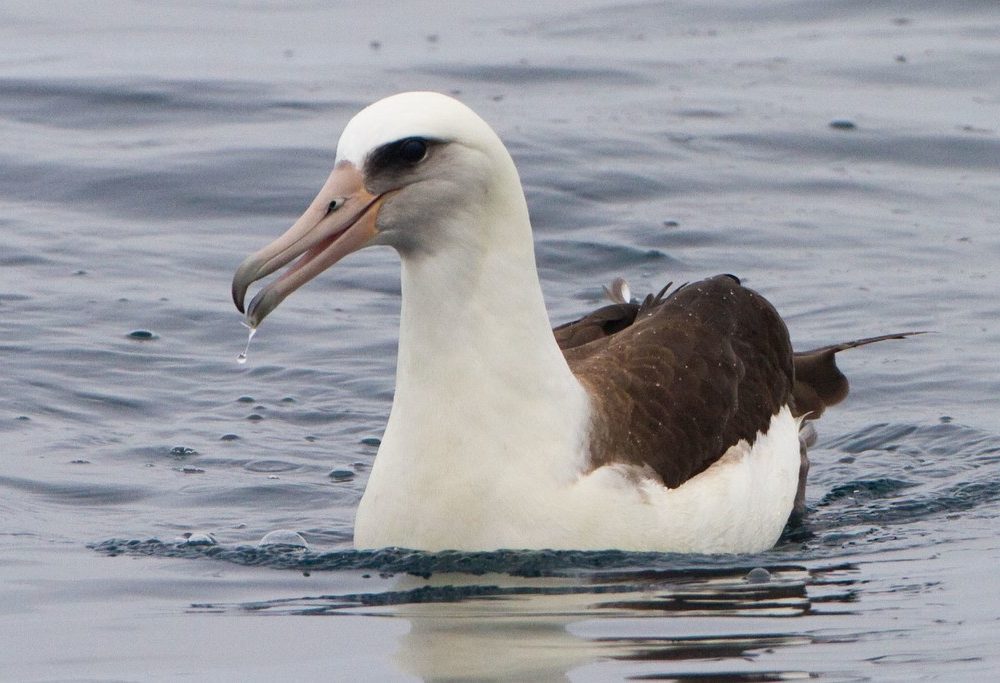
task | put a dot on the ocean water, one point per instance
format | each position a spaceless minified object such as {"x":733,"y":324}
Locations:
{"x":842,"y":158}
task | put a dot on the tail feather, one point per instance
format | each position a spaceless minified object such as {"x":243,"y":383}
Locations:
{"x":619,"y":292}
{"x":819,"y":383}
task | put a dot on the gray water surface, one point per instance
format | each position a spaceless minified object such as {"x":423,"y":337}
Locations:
{"x":842,"y":158}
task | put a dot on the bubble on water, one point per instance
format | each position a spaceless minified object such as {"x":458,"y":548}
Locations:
{"x":141,"y":335}
{"x":197,"y":538}
{"x":242,"y":358}
{"x":283,"y":537}
{"x":341,"y":474}
{"x":758,"y":575}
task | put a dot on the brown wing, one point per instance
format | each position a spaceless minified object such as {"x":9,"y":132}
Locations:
{"x":692,"y":374}
{"x":602,"y":323}
{"x":607,"y":320}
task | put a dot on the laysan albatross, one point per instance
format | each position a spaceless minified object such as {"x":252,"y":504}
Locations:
{"x":670,"y":425}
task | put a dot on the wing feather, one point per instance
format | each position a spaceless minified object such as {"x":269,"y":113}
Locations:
{"x":680,"y":377}
{"x":696,"y":371}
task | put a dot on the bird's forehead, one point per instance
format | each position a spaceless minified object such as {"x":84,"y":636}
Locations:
{"x":413,"y":114}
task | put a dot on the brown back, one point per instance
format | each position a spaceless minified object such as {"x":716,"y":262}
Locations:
{"x":689,"y":376}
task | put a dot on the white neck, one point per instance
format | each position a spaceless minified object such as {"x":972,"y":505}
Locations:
{"x":475,"y":324}
{"x":477,"y":359}
{"x":483,"y":392}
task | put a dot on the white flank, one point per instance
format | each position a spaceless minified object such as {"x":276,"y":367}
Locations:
{"x":739,"y":505}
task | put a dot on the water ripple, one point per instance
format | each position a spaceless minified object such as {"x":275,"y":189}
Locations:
{"x":527,"y":563}
{"x":881,"y":147}
{"x":122,"y":104}
{"x":515,"y":74}
{"x":90,"y":493}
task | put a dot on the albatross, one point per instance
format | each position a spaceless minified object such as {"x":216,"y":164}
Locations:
{"x":672,"y":424}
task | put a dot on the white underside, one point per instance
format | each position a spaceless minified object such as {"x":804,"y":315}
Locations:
{"x":740,"y":504}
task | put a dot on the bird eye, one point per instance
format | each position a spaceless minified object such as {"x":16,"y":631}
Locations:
{"x":412,"y":150}
{"x":400,"y":156}
{"x":334,"y":205}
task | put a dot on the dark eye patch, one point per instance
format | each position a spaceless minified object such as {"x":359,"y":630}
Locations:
{"x":398,"y":156}
{"x":412,"y":150}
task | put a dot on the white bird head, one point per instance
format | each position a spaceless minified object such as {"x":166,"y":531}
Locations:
{"x":416,"y":171}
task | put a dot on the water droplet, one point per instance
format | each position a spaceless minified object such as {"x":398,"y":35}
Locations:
{"x":758,"y":575}
{"x":141,"y":335}
{"x":341,"y":474}
{"x":242,"y":358}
